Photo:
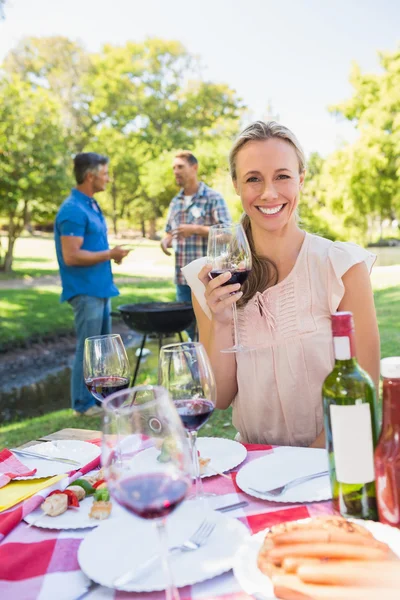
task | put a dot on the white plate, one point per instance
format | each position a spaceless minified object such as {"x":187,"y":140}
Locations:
{"x":280,"y":467}
{"x":115,"y":547}
{"x":72,"y":518}
{"x":253,"y":581}
{"x":225,"y":454}
{"x":83,"y":452}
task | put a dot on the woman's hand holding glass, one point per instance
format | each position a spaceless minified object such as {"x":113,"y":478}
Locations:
{"x":220,"y":299}
{"x":230,"y":257}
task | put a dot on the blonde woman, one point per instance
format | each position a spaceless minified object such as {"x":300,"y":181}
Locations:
{"x":298,"y":280}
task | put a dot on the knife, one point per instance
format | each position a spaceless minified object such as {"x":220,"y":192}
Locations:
{"x":229,"y":507}
{"x":68,"y":461}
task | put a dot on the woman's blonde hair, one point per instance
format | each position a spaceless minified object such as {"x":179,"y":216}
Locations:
{"x":264,"y":272}
{"x":260,"y":131}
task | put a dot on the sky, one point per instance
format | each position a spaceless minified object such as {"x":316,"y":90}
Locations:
{"x":292,"y":55}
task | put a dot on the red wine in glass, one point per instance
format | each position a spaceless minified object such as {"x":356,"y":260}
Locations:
{"x":151,"y":496}
{"x":194,"y":413}
{"x":147,"y":488}
{"x":237,"y":275}
{"x":187,"y":374}
{"x":101,"y":387}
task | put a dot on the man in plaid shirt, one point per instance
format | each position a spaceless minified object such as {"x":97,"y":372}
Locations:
{"x":190,"y":215}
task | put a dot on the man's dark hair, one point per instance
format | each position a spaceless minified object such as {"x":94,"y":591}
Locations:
{"x":188,"y":156}
{"x":87,"y":162}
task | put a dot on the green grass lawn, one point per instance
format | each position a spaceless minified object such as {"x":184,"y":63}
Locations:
{"x":15,"y":434}
{"x":34,"y":313}
{"x":387,"y":302}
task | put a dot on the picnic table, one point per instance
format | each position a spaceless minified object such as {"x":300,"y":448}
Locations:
{"x":42,"y":564}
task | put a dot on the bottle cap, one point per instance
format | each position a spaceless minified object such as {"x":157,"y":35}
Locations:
{"x":390,"y":367}
{"x":342,"y":324}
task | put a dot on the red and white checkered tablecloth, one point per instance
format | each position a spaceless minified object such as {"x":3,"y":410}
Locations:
{"x":42,"y":564}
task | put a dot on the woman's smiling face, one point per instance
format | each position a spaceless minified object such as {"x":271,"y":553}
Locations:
{"x":268,"y":182}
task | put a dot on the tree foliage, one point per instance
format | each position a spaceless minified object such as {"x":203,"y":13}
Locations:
{"x":32,"y":157}
{"x":152,"y":104}
{"x":315,"y":215}
{"x":356,"y":187}
{"x":140,"y":102}
{"x":62,"y":67}
{"x":366,"y":173}
{"x":136,"y":103}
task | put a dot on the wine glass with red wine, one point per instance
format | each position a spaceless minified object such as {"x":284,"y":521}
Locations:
{"x":229,"y":250}
{"x":105,"y":365}
{"x":186,"y":373}
{"x":136,"y":423}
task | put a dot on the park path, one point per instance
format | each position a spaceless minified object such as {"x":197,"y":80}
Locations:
{"x":29,"y":282}
{"x":52,"y":280}
{"x":381,"y":277}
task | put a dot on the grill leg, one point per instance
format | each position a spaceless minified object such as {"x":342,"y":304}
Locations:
{"x":139,"y":358}
{"x":160,"y":340}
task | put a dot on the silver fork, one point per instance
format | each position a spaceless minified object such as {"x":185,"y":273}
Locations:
{"x":198,"y":539}
{"x":94,"y":585}
{"x":278,"y":491}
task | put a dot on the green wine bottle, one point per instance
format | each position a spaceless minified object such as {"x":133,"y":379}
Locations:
{"x":351,"y":426}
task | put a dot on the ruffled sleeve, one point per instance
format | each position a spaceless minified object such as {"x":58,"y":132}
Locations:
{"x":191,"y":273}
{"x":342,"y":256}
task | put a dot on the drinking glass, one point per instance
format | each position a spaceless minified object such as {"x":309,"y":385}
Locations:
{"x":136,"y":422}
{"x":105,"y":365}
{"x":175,"y":222}
{"x":229,"y":250}
{"x":186,"y":373}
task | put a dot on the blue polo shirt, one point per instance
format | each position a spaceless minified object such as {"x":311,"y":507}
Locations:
{"x":80,"y":215}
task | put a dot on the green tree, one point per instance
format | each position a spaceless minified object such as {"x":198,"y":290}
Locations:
{"x":127,"y":156}
{"x":314,"y":210}
{"x":63,"y":67}
{"x":32,"y":158}
{"x":148,"y":95}
{"x":371,"y":166}
{"x":153,"y":89}
{"x":135,"y":103}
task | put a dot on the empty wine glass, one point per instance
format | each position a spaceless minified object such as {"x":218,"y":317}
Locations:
{"x":229,"y":250}
{"x":186,"y":373}
{"x":135,"y":424}
{"x":105,"y":365}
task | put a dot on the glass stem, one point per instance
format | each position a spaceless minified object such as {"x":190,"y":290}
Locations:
{"x":171,"y":592}
{"x":236,"y":339}
{"x":196,"y":464}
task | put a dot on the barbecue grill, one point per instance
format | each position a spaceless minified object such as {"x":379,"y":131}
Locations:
{"x":158,"y":318}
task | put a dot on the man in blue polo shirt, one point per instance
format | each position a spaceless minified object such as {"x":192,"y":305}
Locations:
{"x":84,"y":258}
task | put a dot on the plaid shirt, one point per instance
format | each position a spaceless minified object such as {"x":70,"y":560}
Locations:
{"x":206,"y":208}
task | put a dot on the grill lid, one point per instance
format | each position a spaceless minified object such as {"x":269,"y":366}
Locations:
{"x":155,"y":307}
